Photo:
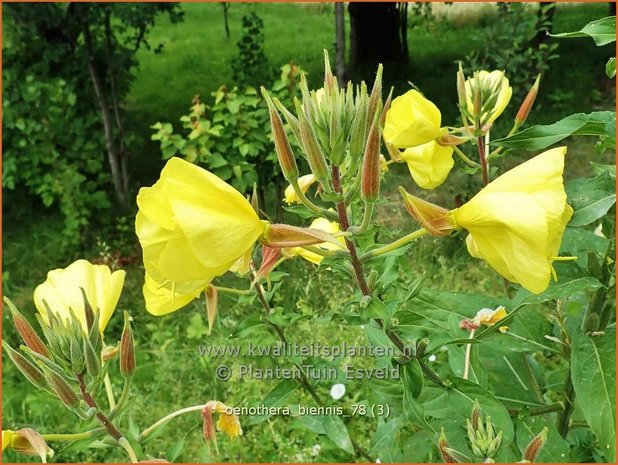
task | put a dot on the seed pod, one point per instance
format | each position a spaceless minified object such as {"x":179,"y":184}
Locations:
{"x":31,"y":372}
{"x":27,"y":333}
{"x":127,"y":350}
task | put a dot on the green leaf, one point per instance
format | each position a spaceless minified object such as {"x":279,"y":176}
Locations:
{"x":557,"y":290}
{"x":377,"y":310}
{"x":593,"y":372}
{"x":329,"y":425}
{"x":610,"y":68}
{"x":600,"y":123}
{"x":412,"y":378}
{"x":175,"y":450}
{"x":602,"y":31}
{"x":591,"y":198}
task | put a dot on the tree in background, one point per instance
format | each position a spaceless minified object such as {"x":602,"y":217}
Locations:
{"x":70,"y":65}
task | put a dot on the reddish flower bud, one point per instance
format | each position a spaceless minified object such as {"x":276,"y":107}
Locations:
{"x":27,"y":333}
{"x":370,"y":176}
{"x":526,"y":106}
{"x":31,"y":372}
{"x":534,"y":447}
{"x":62,"y":388}
{"x":127,"y":349}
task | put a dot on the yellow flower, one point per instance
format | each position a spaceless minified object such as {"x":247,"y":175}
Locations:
{"x":486,"y":81}
{"x":304,"y":182}
{"x":193,"y":227}
{"x":7,"y":438}
{"x":323,"y":225}
{"x":228,"y":422}
{"x":517,"y":221}
{"x":489,"y":317}
{"x":61,"y":292}
{"x":411,"y":120}
{"x":429,"y":164}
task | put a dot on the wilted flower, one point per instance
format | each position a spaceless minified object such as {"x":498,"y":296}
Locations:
{"x":62,"y":292}
{"x":26,"y":441}
{"x":227,"y":422}
{"x":517,"y":221}
{"x":193,"y":227}
{"x":487,"y":317}
{"x":304,"y":182}
{"x":429,"y":164}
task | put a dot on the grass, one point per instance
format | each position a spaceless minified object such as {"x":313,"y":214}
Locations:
{"x":170,"y":372}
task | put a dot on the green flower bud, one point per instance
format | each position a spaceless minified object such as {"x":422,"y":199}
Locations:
{"x":31,"y":372}
{"x":127,"y":350}
{"x":25,"y":330}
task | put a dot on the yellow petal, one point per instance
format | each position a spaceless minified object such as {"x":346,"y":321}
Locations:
{"x":7,"y":438}
{"x":429,"y":164}
{"x":411,"y":120}
{"x":161,"y":300}
{"x":62,"y":291}
{"x":489,"y":80}
{"x":322,"y":224}
{"x":304,"y":182}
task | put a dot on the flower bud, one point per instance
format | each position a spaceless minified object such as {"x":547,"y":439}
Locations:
{"x":92,"y":360}
{"x":435,"y":219}
{"x":359,"y":124}
{"x":532,"y":450}
{"x":375,"y":99}
{"x":27,"y":333}
{"x":255,"y":199}
{"x":127,"y":349}
{"x":309,"y":141}
{"x":330,"y":82}
{"x":461,"y":88}
{"x":61,"y":388}
{"x":78,"y":362}
{"x":283,"y":236}
{"x":449,"y":455}
{"x":31,"y":372}
{"x":212,"y":298}
{"x":282,"y":144}
{"x":475,"y":416}
{"x":370,"y":176}
{"x":528,"y":102}
{"x":421,"y":347}
{"x":26,"y":441}
{"x":447,"y":140}
{"x":88,"y":312}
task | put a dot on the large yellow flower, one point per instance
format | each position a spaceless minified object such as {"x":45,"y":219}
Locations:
{"x":517,"y":221}
{"x":486,"y":80}
{"x":323,"y":225}
{"x":429,"y":164}
{"x":61,"y":292}
{"x":193,"y":227}
{"x":411,"y":120}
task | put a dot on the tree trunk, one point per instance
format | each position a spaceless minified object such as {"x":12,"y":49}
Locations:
{"x":376,"y":35}
{"x":226,"y":7}
{"x":545,"y":22}
{"x":340,"y":43}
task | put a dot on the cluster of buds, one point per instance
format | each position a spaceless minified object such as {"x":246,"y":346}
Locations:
{"x":485,"y":443}
{"x":336,"y":128}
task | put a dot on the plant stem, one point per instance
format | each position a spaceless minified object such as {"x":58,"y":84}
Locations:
{"x":394,"y":245}
{"x":368,"y":213}
{"x":480,"y":145}
{"x":543,"y":410}
{"x":569,"y":405}
{"x":465,"y":158}
{"x":123,"y":398}
{"x":124,"y":443}
{"x":231,"y":290}
{"x":323,"y":252}
{"x":467,"y":357}
{"x":109,"y":391}
{"x":309,"y":204}
{"x":148,"y":431}
{"x":109,"y":426}
{"x":72,"y":436}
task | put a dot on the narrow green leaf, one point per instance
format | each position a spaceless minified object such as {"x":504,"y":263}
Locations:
{"x":593,"y":372}
{"x":610,"y":67}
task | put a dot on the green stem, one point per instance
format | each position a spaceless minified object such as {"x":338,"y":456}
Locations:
{"x":72,"y":436}
{"x":231,"y":290}
{"x":129,"y":450}
{"x":394,"y":245}
{"x":368,"y":213}
{"x":465,"y":158}
{"x":569,"y":405}
{"x":109,"y":391}
{"x":148,"y":431}
{"x":310,"y":205}
{"x":123,"y":398}
{"x":325,"y":252}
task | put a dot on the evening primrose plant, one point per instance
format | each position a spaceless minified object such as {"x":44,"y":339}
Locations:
{"x":468,"y":384}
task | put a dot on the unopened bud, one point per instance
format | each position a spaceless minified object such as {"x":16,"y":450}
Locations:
{"x":283,"y":236}
{"x":435,"y":219}
{"x":475,"y":416}
{"x":127,"y":349}
{"x":27,"y":333}
{"x":255,"y":201}
{"x":359,"y":124}
{"x":212,"y":298}
{"x":77,"y":355}
{"x":31,"y":372}
{"x":372,"y":280}
{"x":370,"y":176}
{"x":375,"y":99}
{"x":61,"y":388}
{"x":387,"y":105}
{"x":421,"y":347}
{"x":532,"y":450}
{"x":93,"y":361}
{"x":461,"y":88}
{"x":528,"y":102}
{"x":89,"y":314}
{"x":315,"y":156}
{"x":330,"y":82}
{"x":448,"y":454}
{"x":494,"y":445}
{"x":282,"y":144}
{"x":447,"y":140}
